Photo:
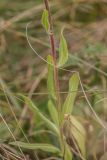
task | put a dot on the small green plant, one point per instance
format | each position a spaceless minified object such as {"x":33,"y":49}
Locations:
{"x":67,"y":129}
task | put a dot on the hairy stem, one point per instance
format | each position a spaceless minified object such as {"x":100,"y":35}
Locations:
{"x":53,"y":52}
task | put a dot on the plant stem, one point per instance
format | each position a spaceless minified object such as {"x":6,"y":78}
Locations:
{"x":53,"y":52}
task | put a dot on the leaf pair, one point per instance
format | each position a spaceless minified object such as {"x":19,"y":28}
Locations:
{"x":73,"y":88}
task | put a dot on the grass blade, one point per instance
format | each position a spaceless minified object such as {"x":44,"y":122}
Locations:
{"x":9,"y":94}
{"x":33,"y":107}
{"x":37,"y":146}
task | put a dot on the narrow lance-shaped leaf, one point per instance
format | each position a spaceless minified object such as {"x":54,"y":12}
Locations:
{"x":63,"y":51}
{"x":74,"y":132}
{"x":79,"y":135}
{"x":45,"y":21}
{"x":38,"y":146}
{"x":33,"y":107}
{"x":68,"y":153}
{"x":50,"y":78}
{"x":53,"y":112}
{"x":73,"y":89}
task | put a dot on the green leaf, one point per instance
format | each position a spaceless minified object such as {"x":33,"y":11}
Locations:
{"x":38,"y":146}
{"x":73,"y":129}
{"x":50,"y":78}
{"x":63,"y":51}
{"x":73,"y":89}
{"x":79,"y":134}
{"x":45,"y":21}
{"x":33,"y":107}
{"x":53,"y":113}
{"x":68,"y":154}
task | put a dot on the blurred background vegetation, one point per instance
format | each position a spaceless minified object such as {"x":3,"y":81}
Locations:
{"x":21,"y":71}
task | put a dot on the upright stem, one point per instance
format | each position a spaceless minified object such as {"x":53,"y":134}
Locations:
{"x":53,"y":52}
